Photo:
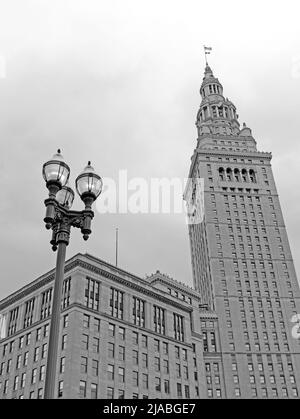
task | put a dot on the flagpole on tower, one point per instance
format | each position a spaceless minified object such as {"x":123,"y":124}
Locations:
{"x":206,"y":52}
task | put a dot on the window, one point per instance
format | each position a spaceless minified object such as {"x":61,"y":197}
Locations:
{"x":135,"y":378}
{"x":42,"y":373}
{"x":145,"y":381}
{"x":135,"y":338}
{"x":83,"y":365}
{"x":138,"y":312}
{"x":23,"y":379}
{"x":159,"y":319}
{"x":95,"y":368}
{"x":121,"y":375}
{"x":144,"y":360}
{"x":178,"y":327}
{"x":65,"y":301}
{"x":110,"y":393}
{"x":144,"y":341}
{"x":179,"y":390}
{"x":12,"y":324}
{"x":111,"y":330}
{"x":62,"y":365}
{"x":96,"y":325}
{"x":92,"y":292}
{"x":111,"y":350}
{"x":65,"y":321}
{"x":157,"y":364}
{"x":28,"y":316}
{"x":85,"y":342}
{"x":16,"y":382}
{"x":94,"y":391}
{"x":86,"y":321}
{"x":157,"y":384}
{"x":166,"y":366}
{"x":110,"y":372}
{"x":96,"y":345}
{"x":135,"y":357}
{"x":116,"y":303}
{"x":121,"y":333}
{"x":121,"y":353}
{"x":82,"y":389}
{"x":167,"y":386}
{"x":33,"y":376}
{"x":46,"y":304}
{"x":44,"y":350}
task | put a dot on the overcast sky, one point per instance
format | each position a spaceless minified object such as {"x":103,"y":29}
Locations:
{"x":118,"y":82}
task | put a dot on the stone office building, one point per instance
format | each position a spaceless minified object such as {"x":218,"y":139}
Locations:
{"x":121,"y":336}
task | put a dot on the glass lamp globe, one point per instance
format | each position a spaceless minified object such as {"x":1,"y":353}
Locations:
{"x":56,"y":171}
{"x":65,"y":196}
{"x":88,"y":183}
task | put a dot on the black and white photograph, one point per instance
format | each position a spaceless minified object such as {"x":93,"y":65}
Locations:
{"x":150,"y":203}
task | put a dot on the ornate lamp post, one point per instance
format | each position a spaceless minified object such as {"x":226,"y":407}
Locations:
{"x":60,"y":218}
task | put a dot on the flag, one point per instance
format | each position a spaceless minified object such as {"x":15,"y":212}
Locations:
{"x":207,"y":49}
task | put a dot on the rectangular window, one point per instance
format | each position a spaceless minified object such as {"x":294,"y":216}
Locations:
{"x":60,"y":389}
{"x":82,"y":389}
{"x":135,"y":378}
{"x":110,"y":350}
{"x":145,"y":381}
{"x":121,"y":353}
{"x":110,"y":372}
{"x":45,"y":310}
{"x":92,"y":294}
{"x":86,"y":321}
{"x":85,"y":342}
{"x":178,"y":327}
{"x":42,"y":373}
{"x":138,"y":312}
{"x":65,"y":300}
{"x":95,"y":368}
{"x":28,"y":315}
{"x":159,"y":319}
{"x":83,"y":365}
{"x":121,"y":373}
{"x":116,"y":303}
{"x":110,"y":393}
{"x":94,"y":391}
{"x":12,"y":324}
{"x":62,"y":365}
{"x":96,"y":345}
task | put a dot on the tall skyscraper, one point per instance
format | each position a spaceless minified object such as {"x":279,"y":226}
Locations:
{"x":241,"y":258}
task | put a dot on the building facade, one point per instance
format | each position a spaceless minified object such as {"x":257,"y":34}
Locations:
{"x":121,"y":336}
{"x":241,"y":259}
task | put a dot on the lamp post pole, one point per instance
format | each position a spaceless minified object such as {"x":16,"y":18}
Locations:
{"x":50,"y":380}
{"x":60,"y":219}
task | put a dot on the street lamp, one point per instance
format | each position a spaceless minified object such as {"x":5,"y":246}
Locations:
{"x":60,"y":218}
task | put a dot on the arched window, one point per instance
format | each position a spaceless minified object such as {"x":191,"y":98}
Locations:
{"x":214,"y":88}
{"x":221,"y":173}
{"x":210,"y":89}
{"x":252,"y":176}
{"x":237,"y":176}
{"x":229,"y":174}
{"x":214,"y":111}
{"x":244,"y":175}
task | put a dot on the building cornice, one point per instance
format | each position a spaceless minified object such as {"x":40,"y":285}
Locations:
{"x":80,"y":261}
